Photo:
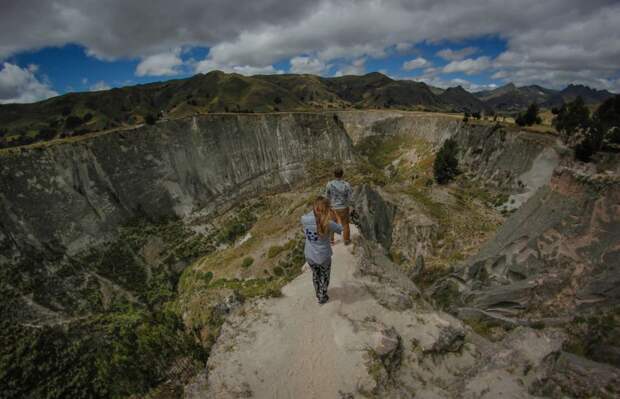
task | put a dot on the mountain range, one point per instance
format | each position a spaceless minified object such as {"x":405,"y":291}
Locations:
{"x":79,"y":113}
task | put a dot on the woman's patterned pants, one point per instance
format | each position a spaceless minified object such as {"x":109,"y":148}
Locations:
{"x":320,"y":279}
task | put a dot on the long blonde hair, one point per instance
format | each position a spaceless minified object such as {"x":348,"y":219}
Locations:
{"x":322,"y":214}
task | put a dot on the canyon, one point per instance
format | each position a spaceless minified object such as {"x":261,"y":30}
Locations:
{"x":504,"y":282}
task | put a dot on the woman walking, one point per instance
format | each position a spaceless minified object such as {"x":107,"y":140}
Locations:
{"x":318,"y":225}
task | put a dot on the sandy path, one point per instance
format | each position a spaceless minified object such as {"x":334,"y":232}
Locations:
{"x":292,"y":347}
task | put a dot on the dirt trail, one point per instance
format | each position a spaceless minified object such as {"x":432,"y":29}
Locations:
{"x":292,"y":347}
{"x":376,"y":337}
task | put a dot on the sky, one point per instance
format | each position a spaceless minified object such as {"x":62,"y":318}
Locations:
{"x":49,"y":48}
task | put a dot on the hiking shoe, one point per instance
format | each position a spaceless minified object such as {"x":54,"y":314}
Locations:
{"x":323,"y":300}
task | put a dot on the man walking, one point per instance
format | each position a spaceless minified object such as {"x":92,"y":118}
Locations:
{"x":338,"y":191}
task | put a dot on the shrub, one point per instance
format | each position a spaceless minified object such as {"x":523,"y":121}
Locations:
{"x":274,"y":251}
{"x":607,"y":119}
{"x":247,"y":262}
{"x":530,"y":117}
{"x":570,"y":118}
{"x":72,"y":122}
{"x":579,"y":131}
{"x":150,"y":119}
{"x":445,"y":167}
{"x":207,"y":277}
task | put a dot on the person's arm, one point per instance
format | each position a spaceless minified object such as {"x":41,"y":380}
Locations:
{"x":335,"y":227}
{"x":327,"y":190}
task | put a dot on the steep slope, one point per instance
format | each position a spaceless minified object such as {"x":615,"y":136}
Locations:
{"x":310,"y":90}
{"x":539,"y":240}
{"x":461,"y":100}
{"x":170,"y":170}
{"x":555,"y":261}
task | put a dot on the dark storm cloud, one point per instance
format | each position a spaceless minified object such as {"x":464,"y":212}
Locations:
{"x":121,"y":28}
{"x":551,"y":42}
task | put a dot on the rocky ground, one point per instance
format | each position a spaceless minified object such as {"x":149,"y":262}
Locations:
{"x":378,"y":337}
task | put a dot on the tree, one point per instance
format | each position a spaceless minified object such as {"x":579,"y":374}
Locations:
{"x":466,"y":117}
{"x":446,"y":164}
{"x":520,"y":120}
{"x":607,"y":119}
{"x":530,"y":117}
{"x":572,"y":117}
{"x":579,"y":131}
{"x":476,"y":115}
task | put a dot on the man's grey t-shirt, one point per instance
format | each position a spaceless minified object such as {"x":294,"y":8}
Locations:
{"x":318,"y":248}
{"x":338,"y":192}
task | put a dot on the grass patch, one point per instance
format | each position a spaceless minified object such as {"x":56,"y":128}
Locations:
{"x":276,"y":250}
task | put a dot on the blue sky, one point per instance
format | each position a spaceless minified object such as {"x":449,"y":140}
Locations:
{"x":69,"y":68}
{"x":50,"y":48}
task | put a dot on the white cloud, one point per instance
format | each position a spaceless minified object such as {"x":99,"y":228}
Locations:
{"x":101,"y":85}
{"x":21,"y":85}
{"x":566,"y":37}
{"x":415,"y":63}
{"x":357,"y":67}
{"x":208,"y":65}
{"x":469,"y":66}
{"x":403,"y":47}
{"x":162,"y":64}
{"x":454,"y":55}
{"x":305,"y":64}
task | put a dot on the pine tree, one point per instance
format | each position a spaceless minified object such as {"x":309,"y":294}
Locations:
{"x":446,"y":164}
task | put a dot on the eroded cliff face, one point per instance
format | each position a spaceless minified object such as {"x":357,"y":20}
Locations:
{"x":517,"y":161}
{"x":68,"y":196}
{"x":557,"y":255}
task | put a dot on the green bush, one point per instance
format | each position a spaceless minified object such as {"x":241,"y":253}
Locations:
{"x":572,"y":117}
{"x":247,"y":262}
{"x":446,"y":164}
{"x":115,"y":355}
